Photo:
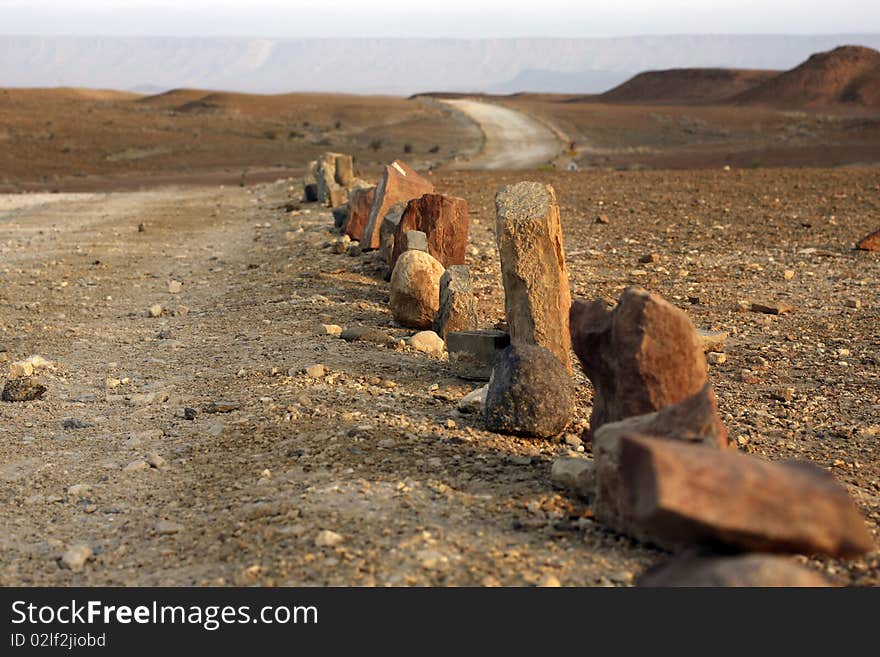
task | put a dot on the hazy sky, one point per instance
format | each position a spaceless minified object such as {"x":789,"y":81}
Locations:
{"x":430,"y":18}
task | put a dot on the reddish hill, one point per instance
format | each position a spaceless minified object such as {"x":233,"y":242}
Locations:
{"x":848,"y":74}
{"x":685,"y":86}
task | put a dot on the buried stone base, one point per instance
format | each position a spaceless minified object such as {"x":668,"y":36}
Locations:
{"x":530,"y":393}
{"x":748,"y":570}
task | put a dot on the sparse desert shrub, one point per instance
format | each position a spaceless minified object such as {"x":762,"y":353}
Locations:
{"x":270,"y":134}
{"x":407,"y":148}
{"x":337,"y":125}
{"x":434,"y":149}
{"x":375,"y":144}
{"x":295,"y":134}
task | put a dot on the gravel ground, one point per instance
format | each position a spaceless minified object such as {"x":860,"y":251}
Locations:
{"x":368,"y":475}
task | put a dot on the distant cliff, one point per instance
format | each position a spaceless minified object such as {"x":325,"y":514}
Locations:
{"x":392,"y":66}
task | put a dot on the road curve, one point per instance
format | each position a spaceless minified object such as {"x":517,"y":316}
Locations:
{"x":513,"y":140}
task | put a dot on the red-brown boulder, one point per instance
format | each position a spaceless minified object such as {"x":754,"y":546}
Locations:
{"x":870,"y":242}
{"x":359,"y":203}
{"x":443,"y":219}
{"x":643,"y":355}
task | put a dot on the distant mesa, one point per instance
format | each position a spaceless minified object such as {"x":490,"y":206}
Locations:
{"x":848,"y":75}
{"x":845,"y":75}
{"x":686,"y":85}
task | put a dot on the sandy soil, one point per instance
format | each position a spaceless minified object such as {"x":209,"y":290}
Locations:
{"x":512,"y":139}
{"x":82,"y":140}
{"x":375,"y":450}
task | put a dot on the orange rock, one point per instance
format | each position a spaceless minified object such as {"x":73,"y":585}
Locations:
{"x":399,"y":182}
{"x":359,"y":203}
{"x":870,"y":242}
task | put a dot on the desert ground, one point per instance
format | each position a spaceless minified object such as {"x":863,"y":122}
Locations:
{"x":241,"y":488}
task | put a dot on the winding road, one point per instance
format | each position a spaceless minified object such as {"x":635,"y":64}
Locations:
{"x":513,"y":140}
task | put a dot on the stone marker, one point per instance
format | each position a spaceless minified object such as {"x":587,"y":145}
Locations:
{"x":747,"y":570}
{"x":474,"y":401}
{"x":412,"y":240}
{"x":338,"y":196}
{"x":574,"y":474}
{"x":334,"y":174}
{"x":325,"y":176}
{"x":415,"y":289}
{"x":458,"y":307}
{"x":23,"y":389}
{"x":473,"y":353}
{"x":310,"y":182}
{"x":398,"y":183}
{"x":536,"y":295}
{"x":712,"y":340}
{"x":770,"y":308}
{"x":367,"y":334}
{"x":641,"y":356}
{"x":530,"y":393}
{"x":691,"y":494}
{"x":341,"y":215}
{"x":427,"y":342}
{"x":693,"y":420}
{"x":444,"y":220}
{"x":388,"y":229}
{"x":344,"y":173}
{"x":359,"y":202}
{"x":870,"y":242}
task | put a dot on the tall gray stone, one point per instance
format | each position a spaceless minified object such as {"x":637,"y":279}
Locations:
{"x":458,"y":307}
{"x":537,"y":299}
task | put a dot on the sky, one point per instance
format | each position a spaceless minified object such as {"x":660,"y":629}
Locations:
{"x":430,"y":18}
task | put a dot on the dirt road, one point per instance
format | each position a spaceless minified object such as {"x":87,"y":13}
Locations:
{"x":512,"y":139}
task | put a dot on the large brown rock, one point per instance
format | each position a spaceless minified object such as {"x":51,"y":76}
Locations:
{"x":748,"y":570}
{"x":536,"y":295}
{"x":690,"y":494}
{"x":693,"y":420}
{"x":415,"y":289}
{"x":641,"y":356}
{"x":458,"y":306}
{"x":388,"y":229}
{"x":870,"y":242}
{"x":444,"y":220}
{"x":399,"y":182}
{"x":360,"y":200}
